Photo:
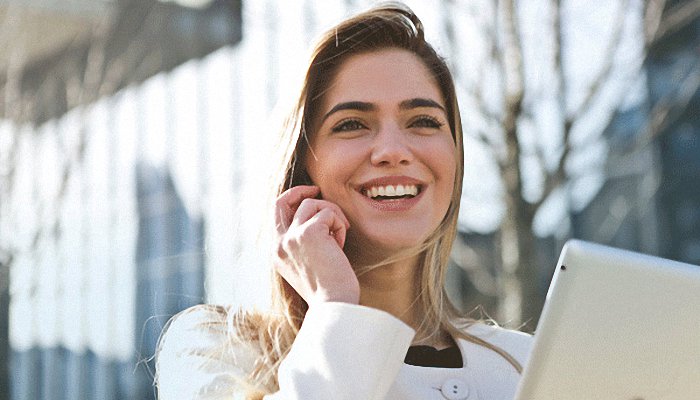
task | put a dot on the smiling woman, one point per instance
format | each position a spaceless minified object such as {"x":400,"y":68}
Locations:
{"x":365,"y":218}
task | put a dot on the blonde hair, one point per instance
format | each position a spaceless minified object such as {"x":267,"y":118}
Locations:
{"x":391,"y":25}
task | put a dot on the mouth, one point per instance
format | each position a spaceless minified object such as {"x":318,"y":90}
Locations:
{"x":391,"y":192}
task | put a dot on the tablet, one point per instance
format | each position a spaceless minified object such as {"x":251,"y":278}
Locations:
{"x":616,"y":325}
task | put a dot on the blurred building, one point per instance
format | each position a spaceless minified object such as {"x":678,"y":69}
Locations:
{"x":651,"y":201}
{"x":102,"y":243}
{"x":674,"y":72}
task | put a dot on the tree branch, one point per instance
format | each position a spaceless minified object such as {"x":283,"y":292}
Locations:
{"x":669,"y":108}
{"x":554,"y":178}
{"x":609,"y":57}
{"x":653,"y":10}
{"x":474,"y":92}
{"x":558,"y":176}
{"x":513,"y":89}
{"x":512,"y":59}
{"x":673,"y":20}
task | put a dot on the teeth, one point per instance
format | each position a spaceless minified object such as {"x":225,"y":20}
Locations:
{"x":392,"y":191}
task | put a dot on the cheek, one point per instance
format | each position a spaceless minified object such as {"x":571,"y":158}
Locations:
{"x":450,"y":183}
{"x":446,"y":168}
{"x":315,"y":162}
{"x":327,"y":165}
{"x":444,"y":160}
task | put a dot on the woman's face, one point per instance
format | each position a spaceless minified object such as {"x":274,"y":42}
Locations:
{"x":383,"y":151}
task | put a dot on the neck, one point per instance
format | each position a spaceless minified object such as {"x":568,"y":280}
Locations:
{"x":393,"y":288}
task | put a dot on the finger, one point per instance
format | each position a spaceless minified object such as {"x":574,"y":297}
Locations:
{"x":288,"y":203}
{"x":331,"y":224}
{"x":310,"y":207}
{"x":339,"y":235}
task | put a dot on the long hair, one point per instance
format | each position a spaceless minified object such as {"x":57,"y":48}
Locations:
{"x":391,"y":25}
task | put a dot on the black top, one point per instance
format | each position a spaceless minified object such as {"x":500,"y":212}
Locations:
{"x":426,"y":356}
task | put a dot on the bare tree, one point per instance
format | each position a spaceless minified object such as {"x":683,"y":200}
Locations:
{"x":518,"y":273}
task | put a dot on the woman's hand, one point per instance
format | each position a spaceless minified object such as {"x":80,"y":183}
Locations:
{"x":310,"y":234}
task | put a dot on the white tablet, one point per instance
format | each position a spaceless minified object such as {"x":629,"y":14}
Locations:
{"x":616,"y":325}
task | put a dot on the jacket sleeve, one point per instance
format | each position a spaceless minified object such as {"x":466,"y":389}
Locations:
{"x":342,"y":351}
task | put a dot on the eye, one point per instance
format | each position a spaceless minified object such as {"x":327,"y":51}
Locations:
{"x":348,"y":125}
{"x":426,"y":121}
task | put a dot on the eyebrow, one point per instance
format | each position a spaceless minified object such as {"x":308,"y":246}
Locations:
{"x":350,"y":105}
{"x":364,"y":106}
{"x":419,"y":102}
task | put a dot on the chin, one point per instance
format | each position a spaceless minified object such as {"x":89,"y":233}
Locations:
{"x":386,"y":243}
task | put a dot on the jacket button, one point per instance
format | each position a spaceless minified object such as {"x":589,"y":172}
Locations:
{"x":455,"y":389}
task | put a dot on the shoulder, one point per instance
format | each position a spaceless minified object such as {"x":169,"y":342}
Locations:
{"x":199,"y":357}
{"x":517,"y":344}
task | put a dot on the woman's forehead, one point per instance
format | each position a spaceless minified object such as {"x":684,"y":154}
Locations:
{"x":388,"y":76}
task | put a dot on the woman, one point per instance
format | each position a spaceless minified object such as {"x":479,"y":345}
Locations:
{"x":365,"y":218}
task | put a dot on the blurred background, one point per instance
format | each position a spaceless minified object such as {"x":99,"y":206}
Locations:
{"x":135,"y":142}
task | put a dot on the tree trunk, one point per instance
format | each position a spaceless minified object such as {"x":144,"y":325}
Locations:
{"x":521,"y":295}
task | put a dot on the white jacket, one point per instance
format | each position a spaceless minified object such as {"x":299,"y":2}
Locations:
{"x":342,"y":352}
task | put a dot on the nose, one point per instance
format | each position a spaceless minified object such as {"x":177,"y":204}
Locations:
{"x":390,"y":147}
